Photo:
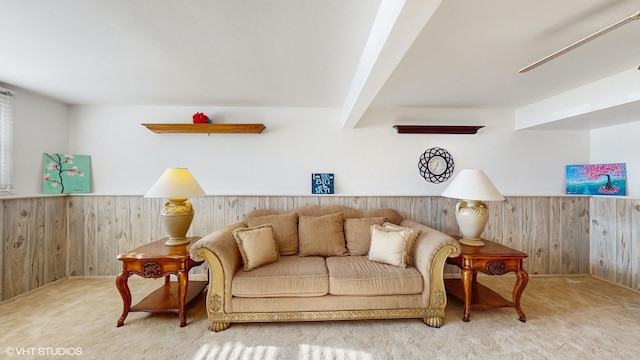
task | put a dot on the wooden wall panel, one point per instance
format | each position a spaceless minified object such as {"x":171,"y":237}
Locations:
{"x":105,"y":236}
{"x":570,"y":229}
{"x":603,"y":238}
{"x":623,"y":243}
{"x":37,"y":250}
{"x":75,"y":238}
{"x":538,"y":243}
{"x":16,"y":271}
{"x":55,"y":230}
{"x":140,"y":226}
{"x":2,"y":245}
{"x":635,"y":243}
{"x":122,"y":230}
{"x":90,"y":238}
{"x":510,"y":224}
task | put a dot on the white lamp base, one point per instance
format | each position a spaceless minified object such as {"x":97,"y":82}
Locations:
{"x":472,"y":217}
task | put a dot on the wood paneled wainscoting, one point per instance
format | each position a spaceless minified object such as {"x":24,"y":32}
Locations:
{"x":50,"y":237}
{"x":34,"y":243}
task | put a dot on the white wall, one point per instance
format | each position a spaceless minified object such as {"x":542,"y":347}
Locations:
{"x":619,"y":144}
{"x":40,"y":125}
{"x":371,"y":159}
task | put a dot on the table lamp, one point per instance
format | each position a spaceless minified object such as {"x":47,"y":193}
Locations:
{"x":176,"y":184}
{"x":473,"y":188}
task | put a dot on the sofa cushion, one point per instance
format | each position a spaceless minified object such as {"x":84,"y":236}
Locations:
{"x":357,"y":234}
{"x":389,"y":246}
{"x":411,"y":242}
{"x":292,"y":276}
{"x":285,"y":228}
{"x":257,"y":246}
{"x":321,"y":235}
{"x":357,"y":275}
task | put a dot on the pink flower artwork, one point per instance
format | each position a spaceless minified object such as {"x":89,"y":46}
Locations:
{"x":65,"y":174}
{"x":597,"y":179}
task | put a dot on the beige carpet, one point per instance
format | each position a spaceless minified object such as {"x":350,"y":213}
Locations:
{"x":568,"y":317}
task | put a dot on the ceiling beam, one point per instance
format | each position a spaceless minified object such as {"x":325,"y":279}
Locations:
{"x":397,"y":25}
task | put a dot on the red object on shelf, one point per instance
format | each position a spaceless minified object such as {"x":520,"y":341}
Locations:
{"x":200,"y":118}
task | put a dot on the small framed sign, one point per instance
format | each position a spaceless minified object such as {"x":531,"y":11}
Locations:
{"x":322,"y":183}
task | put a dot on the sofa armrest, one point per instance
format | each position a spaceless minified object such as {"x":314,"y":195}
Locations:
{"x":429,"y":255}
{"x":221,"y":252}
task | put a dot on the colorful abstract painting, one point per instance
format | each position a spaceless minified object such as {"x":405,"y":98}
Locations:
{"x":66,"y":174}
{"x":597,"y":179}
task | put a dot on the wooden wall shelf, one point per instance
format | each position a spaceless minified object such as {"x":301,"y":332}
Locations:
{"x":437,"y":129}
{"x":206,"y":128}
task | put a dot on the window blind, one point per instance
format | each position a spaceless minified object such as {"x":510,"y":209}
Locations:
{"x":6,"y":140}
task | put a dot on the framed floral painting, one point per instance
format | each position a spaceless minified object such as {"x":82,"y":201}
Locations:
{"x":597,"y":179}
{"x":66,"y":174}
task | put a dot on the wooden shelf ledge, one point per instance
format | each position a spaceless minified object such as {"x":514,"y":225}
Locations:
{"x":206,"y":128}
{"x":437,"y":129}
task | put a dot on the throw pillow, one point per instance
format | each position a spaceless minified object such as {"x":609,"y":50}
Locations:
{"x":357,"y":233}
{"x":285,"y":229}
{"x":257,"y":246}
{"x":411,"y":243}
{"x":388,"y":246}
{"x":321,"y":235}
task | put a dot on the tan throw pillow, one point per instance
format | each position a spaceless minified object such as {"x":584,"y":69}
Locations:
{"x":285,"y":229}
{"x":357,"y":233}
{"x":411,"y":244}
{"x":388,"y":246}
{"x":321,"y":235}
{"x":257,"y":246}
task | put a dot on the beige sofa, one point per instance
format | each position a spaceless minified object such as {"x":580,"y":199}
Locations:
{"x":325,"y":263}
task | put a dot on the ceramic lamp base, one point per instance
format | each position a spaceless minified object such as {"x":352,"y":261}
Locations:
{"x":176,"y":242}
{"x":471,"y":242}
{"x":176,"y":217}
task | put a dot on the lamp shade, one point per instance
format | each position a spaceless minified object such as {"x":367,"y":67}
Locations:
{"x":472,"y":184}
{"x":175,"y":182}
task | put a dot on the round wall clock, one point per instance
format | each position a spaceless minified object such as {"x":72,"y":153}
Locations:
{"x":436,"y":165}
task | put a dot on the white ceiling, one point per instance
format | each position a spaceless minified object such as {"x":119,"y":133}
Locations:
{"x":305,"y":53}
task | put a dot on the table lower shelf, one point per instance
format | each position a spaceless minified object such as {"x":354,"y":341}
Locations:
{"x":165,"y":298}
{"x":481,"y":296}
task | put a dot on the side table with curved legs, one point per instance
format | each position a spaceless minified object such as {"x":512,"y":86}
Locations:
{"x":156,"y":260}
{"x":490,"y":259}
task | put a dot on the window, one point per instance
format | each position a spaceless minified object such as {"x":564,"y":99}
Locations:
{"x":6,"y":140}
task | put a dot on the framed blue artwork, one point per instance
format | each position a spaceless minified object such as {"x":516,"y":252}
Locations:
{"x":322,"y":183}
{"x":597,"y":179}
{"x":66,"y":174}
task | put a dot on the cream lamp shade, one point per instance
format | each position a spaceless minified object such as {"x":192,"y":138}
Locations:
{"x":473,"y":188}
{"x":176,"y":184}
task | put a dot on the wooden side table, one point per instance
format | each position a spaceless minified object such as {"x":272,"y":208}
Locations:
{"x":156,"y":260}
{"x":490,"y":259}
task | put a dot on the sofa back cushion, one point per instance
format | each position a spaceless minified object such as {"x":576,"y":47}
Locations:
{"x":357,"y":234}
{"x":321,"y":235}
{"x":285,"y":228}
